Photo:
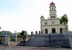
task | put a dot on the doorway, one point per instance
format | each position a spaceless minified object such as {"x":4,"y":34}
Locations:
{"x":61,"y":30}
{"x":53,"y":30}
{"x":46,"y":31}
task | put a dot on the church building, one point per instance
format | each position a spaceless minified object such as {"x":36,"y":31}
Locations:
{"x":52,"y":24}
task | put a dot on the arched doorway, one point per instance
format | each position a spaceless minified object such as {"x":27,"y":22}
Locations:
{"x":53,"y":30}
{"x":46,"y":31}
{"x":61,"y":30}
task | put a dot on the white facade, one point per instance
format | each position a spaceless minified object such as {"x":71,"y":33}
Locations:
{"x":52,"y":24}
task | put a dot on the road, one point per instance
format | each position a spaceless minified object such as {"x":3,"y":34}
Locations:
{"x":32,"y":48}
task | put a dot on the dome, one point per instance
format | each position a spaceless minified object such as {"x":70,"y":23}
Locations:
{"x":65,"y":15}
{"x":41,"y":16}
{"x":52,"y":3}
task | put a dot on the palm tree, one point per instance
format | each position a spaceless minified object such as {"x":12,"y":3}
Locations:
{"x":64,"y":20}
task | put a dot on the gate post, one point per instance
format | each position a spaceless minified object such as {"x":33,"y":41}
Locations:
{"x":6,"y":39}
{"x":3,"y":39}
{"x":15,"y":37}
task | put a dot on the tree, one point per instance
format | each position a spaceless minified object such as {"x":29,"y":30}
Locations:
{"x":64,"y":19}
{"x":21,"y":34}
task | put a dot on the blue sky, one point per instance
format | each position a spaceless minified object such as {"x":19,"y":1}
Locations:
{"x":25,"y":14}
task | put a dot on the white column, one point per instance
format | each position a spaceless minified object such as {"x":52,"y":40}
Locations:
{"x":7,"y":39}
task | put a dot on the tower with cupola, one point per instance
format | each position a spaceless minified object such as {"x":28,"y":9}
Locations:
{"x":52,"y":10}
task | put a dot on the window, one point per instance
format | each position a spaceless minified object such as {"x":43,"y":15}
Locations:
{"x":45,"y":23}
{"x":52,"y":16}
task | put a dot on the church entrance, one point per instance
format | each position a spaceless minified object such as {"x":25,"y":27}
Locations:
{"x":61,"y":30}
{"x":53,"y":30}
{"x":46,"y":31}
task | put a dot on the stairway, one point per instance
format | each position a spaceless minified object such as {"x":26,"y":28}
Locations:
{"x":21,"y":43}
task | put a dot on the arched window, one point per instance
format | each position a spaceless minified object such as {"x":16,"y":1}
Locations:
{"x":61,"y":30}
{"x":46,"y":31}
{"x":53,"y":30}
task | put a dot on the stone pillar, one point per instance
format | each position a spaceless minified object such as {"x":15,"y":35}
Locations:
{"x":25,"y":33}
{"x":36,"y":33}
{"x":39,"y":32}
{"x":42,"y":32}
{"x":6,"y":39}
{"x":14,"y":37}
{"x":32,"y":33}
{"x":3,"y":39}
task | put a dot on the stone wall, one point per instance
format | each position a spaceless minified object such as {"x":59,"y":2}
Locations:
{"x":48,"y":40}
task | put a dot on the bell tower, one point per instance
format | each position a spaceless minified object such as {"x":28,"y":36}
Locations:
{"x":52,"y":10}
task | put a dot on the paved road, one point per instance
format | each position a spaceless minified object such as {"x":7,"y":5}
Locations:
{"x":5,"y":48}
{"x":32,"y":48}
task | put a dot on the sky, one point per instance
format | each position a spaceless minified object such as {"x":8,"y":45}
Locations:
{"x":25,"y":14}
